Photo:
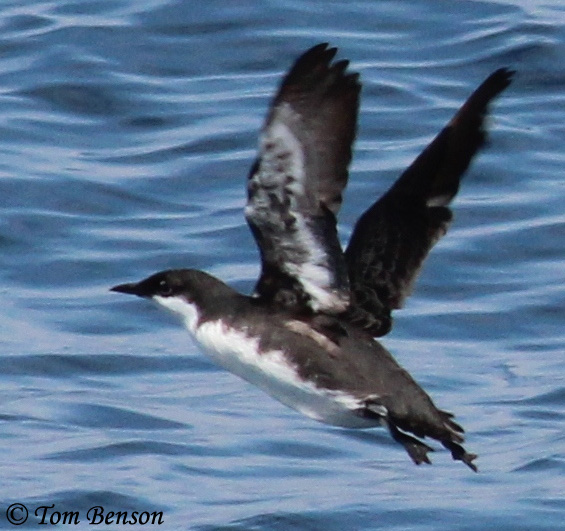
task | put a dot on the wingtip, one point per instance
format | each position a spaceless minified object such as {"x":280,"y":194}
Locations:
{"x":506,"y":71}
{"x":320,"y":46}
{"x":499,"y":80}
{"x":315,"y":59}
{"x":321,"y":49}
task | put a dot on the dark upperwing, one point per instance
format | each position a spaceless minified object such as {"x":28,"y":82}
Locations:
{"x":393,"y":237}
{"x":295,"y":191}
{"x":295,"y":186}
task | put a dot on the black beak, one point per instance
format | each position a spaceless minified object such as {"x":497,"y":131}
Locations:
{"x":131,"y":289}
{"x":146,"y":288}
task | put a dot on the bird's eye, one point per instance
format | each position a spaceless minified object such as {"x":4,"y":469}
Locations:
{"x":165,"y":289}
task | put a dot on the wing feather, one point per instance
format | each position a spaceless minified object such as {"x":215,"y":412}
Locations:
{"x":393,"y":237}
{"x":295,"y":186}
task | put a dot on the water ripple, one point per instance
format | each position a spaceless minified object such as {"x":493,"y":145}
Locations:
{"x":127,"y":130}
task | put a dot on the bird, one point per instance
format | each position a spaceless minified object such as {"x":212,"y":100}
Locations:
{"x":307,"y":334}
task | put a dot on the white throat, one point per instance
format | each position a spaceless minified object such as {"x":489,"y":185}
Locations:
{"x":188,"y":311}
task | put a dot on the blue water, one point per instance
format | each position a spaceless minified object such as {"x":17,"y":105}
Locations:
{"x":127,"y":128}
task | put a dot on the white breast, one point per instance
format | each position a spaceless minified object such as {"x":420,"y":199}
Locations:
{"x":270,"y":371}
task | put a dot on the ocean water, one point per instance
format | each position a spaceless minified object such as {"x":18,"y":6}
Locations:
{"x":127,"y":128}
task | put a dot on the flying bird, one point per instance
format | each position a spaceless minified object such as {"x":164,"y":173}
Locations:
{"x":306,"y":335}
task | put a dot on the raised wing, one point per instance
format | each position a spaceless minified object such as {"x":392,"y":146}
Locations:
{"x":295,"y":186}
{"x":393,"y":237}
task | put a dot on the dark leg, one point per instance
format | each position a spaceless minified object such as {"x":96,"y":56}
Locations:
{"x":417,"y":450}
{"x":459,"y":454}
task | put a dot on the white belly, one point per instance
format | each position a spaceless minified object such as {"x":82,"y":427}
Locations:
{"x":271,"y":372}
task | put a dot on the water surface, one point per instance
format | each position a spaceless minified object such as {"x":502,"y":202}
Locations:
{"x":127,"y":130}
